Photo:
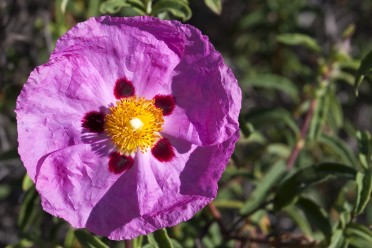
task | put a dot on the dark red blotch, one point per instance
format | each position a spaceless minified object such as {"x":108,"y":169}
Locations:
{"x":119,"y":163}
{"x":123,"y":88}
{"x":166,"y":103}
{"x":163,"y":150}
{"x":94,"y":121}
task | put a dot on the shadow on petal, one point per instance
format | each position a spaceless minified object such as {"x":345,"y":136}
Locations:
{"x":117,"y":207}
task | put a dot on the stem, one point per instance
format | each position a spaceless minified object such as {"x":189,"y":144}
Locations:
{"x":301,"y":141}
{"x":217,"y":216}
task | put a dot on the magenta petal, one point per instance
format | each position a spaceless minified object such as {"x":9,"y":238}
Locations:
{"x":166,"y":194}
{"x":52,"y":105}
{"x":71,"y":181}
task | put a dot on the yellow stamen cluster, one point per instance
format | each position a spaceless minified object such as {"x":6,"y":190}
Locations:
{"x":134,"y":123}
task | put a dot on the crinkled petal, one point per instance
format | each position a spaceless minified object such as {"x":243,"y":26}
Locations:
{"x":163,"y":57}
{"x":161,"y":194}
{"x":52,"y":104}
{"x":72,"y":181}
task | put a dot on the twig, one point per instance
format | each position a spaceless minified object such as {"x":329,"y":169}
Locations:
{"x":301,"y":141}
{"x":217,"y":216}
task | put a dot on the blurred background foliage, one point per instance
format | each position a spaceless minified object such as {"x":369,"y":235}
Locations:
{"x":301,"y":173}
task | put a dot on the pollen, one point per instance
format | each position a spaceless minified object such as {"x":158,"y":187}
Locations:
{"x":134,"y":123}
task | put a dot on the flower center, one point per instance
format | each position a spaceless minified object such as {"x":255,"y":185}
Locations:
{"x":134,"y":123}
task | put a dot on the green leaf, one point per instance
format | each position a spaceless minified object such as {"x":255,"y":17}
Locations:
{"x":63,"y":6}
{"x":69,"y":239}
{"x":27,"y":209}
{"x":178,"y":9}
{"x":363,"y":70}
{"x":263,"y":117}
{"x":214,"y":5}
{"x":364,"y":190}
{"x":358,"y":235}
{"x":27,"y":183}
{"x":224,"y":203}
{"x":272,"y":81}
{"x":260,"y":193}
{"x":299,"y":219}
{"x":338,"y":147}
{"x":113,"y":6}
{"x":160,"y":239}
{"x":365,"y":148}
{"x":137,"y":242}
{"x":320,"y":114}
{"x":295,"y":39}
{"x":315,"y":215}
{"x":293,"y":186}
{"x":337,"y":239}
{"x":88,"y":240}
{"x":336,"y":116}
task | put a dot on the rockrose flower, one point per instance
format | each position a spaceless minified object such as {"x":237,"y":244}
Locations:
{"x":129,"y":126}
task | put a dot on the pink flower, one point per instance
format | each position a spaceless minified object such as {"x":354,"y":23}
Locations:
{"x":129,"y":126}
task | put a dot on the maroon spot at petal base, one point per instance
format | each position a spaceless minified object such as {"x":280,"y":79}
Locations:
{"x":94,"y":121}
{"x":165,"y":103}
{"x":123,"y":88}
{"x":163,"y":150}
{"x":119,"y":163}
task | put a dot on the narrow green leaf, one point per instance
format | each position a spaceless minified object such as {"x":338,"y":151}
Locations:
{"x":336,"y":116}
{"x":337,"y":239}
{"x":293,"y":186}
{"x":137,"y":242}
{"x":364,"y":190}
{"x":224,"y":203}
{"x":299,"y":219}
{"x":88,"y":240}
{"x":160,"y":239}
{"x":295,"y":39}
{"x":315,"y":215}
{"x":358,"y":235}
{"x":320,"y":114}
{"x":272,"y":81}
{"x":260,"y":193}
{"x":113,"y":6}
{"x":27,"y":208}
{"x":69,"y":239}
{"x":339,"y":148}
{"x":178,"y":9}
{"x":214,"y":5}
{"x":365,"y":148}
{"x":27,"y":183}
{"x":63,"y":6}
{"x":363,"y":70}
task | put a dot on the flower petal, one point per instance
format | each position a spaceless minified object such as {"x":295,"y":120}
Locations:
{"x":166,"y":193}
{"x":166,"y":58}
{"x":71,"y":181}
{"x":142,"y":49}
{"x":52,"y":105}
